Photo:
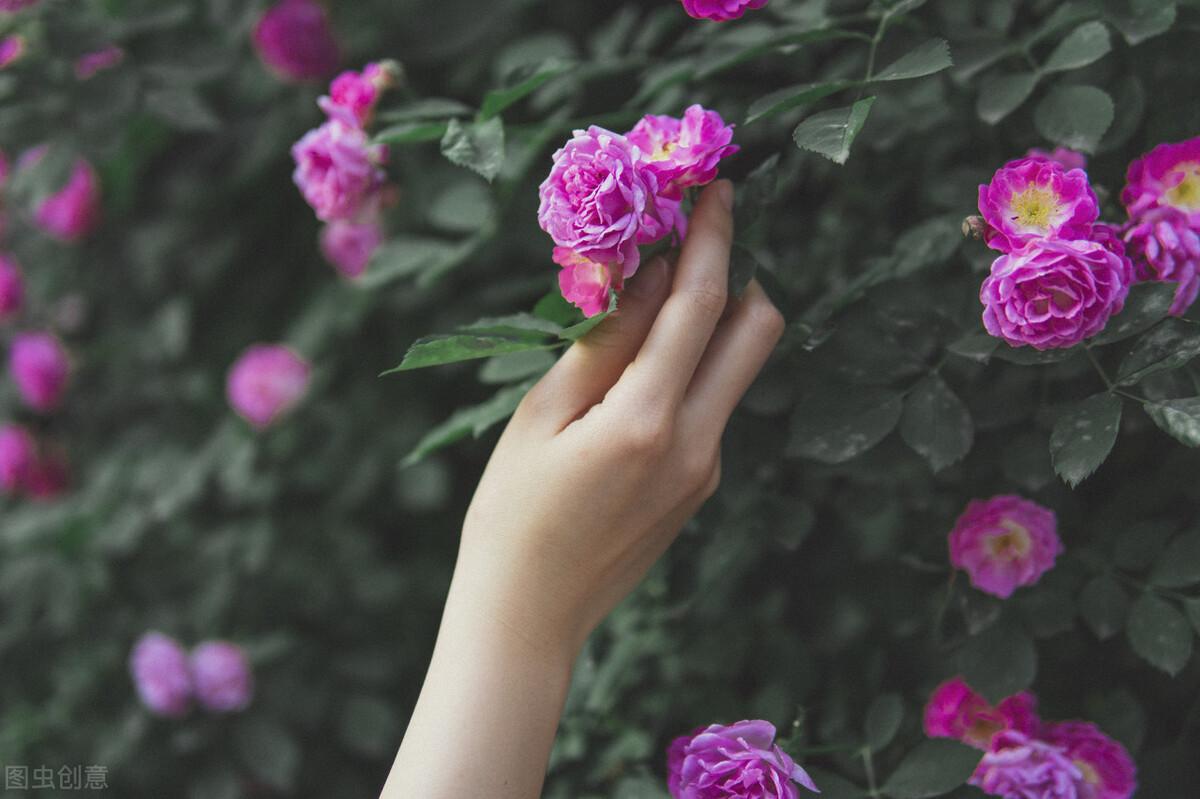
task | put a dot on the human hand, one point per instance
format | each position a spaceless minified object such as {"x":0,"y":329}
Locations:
{"x":618,"y":445}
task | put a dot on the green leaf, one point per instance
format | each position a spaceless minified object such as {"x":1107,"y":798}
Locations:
{"x":1168,"y":346}
{"x":1028,"y":356}
{"x":1075,"y":116}
{"x":411,"y":132}
{"x":1000,"y":95}
{"x":526,"y":82}
{"x":831,"y":133}
{"x":883,"y":721}
{"x":1085,"y":45}
{"x":438,"y":350}
{"x":833,"y":424}
{"x":182,"y":109}
{"x":431,"y":108}
{"x":368,"y":726}
{"x":1148,"y":304}
{"x":516,"y":366}
{"x":268,"y":751}
{"x":1178,"y":418}
{"x":581,"y":329}
{"x":472,"y":421}
{"x":933,"y":768}
{"x":1104,"y":606}
{"x":936,"y":423}
{"x":1083,"y":436}
{"x":791,"y":97}
{"x":927,"y":59}
{"x":834,"y":786}
{"x":404,"y":257}
{"x":1146,"y":23}
{"x":978,"y":347}
{"x":1179,"y":565}
{"x":519,"y":325}
{"x":1159,"y":634}
{"x":998,"y":662}
{"x":1192,"y":606}
{"x":478,"y":146}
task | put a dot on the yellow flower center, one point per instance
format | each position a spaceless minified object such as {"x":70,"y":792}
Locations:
{"x":1015,"y":542}
{"x":982,"y":731}
{"x":1186,"y":193}
{"x":663,"y":151}
{"x":1035,"y":208}
{"x":1090,"y":775}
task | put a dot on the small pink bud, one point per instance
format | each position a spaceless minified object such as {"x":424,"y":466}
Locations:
{"x":40,"y":367}
{"x":266,"y":382}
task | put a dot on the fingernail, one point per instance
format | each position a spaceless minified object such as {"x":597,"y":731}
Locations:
{"x":649,"y":279}
{"x":725,"y":194}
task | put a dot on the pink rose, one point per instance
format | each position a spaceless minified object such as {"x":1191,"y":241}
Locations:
{"x":720,"y":10}
{"x":266,"y":382}
{"x":1107,"y":768}
{"x":338,"y":170}
{"x":39,"y":365}
{"x":295,"y":40}
{"x":73,"y":212}
{"x":683,"y":152}
{"x":353,"y":95}
{"x":739,"y":761}
{"x":349,"y":245}
{"x":1164,"y":246}
{"x":1168,"y":175}
{"x":955,"y":711}
{"x":223,"y":679}
{"x":1019,"y":767}
{"x":599,"y":201}
{"x":17,"y":455}
{"x":89,"y":64}
{"x":1004,"y":543}
{"x":1034,"y":198}
{"x":11,"y":49}
{"x":1053,"y":294}
{"x":1069,"y":159}
{"x":12,"y":288}
{"x":162,"y":675}
{"x":584,"y":282}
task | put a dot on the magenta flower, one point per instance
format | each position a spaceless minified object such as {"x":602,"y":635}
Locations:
{"x":223,"y":679}
{"x":349,"y":245}
{"x":89,"y":64}
{"x":17,"y":455}
{"x":1067,"y":158}
{"x":12,"y":288}
{"x":11,"y":49}
{"x":338,"y":170}
{"x":1034,"y":198}
{"x":73,"y":212}
{"x":161,"y":675}
{"x":599,"y":202}
{"x":266,"y":382}
{"x":1053,"y":294}
{"x":295,"y":40}
{"x":720,"y":10}
{"x":1004,"y":543}
{"x":353,"y":95}
{"x":1163,"y":246}
{"x":955,"y":711}
{"x":1168,"y":175}
{"x":39,"y":366}
{"x":1019,"y":767}
{"x":683,"y":152}
{"x":1107,"y":768}
{"x":585,"y":283}
{"x":740,"y":761}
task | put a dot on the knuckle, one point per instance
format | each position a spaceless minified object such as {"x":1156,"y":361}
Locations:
{"x":649,"y":436}
{"x":767,"y":318}
{"x":698,"y":467}
{"x":708,"y":296}
{"x":714,"y":482}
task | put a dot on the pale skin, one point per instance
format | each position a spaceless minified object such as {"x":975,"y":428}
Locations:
{"x":603,"y":462}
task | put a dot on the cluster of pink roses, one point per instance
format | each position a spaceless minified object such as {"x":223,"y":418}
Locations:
{"x":217,"y":674}
{"x":736,"y":761}
{"x":1004,"y":543}
{"x":1063,"y":273}
{"x":609,"y":193}
{"x":1025,"y":756}
{"x":340,"y":172}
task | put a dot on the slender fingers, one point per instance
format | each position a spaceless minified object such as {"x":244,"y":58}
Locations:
{"x":736,"y":354}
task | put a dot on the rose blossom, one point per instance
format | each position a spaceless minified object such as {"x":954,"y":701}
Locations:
{"x":1004,"y":543}
{"x":1053,"y":294}
{"x":683,"y":152}
{"x":1019,"y":767}
{"x":955,"y":711}
{"x":1107,"y":768}
{"x":1034,"y":198}
{"x":337,"y":169}
{"x":599,"y":202}
{"x":266,"y":382}
{"x":720,"y":10}
{"x":88,"y":64}
{"x":39,"y":366}
{"x":584,"y":282}
{"x":353,"y":95}
{"x":740,"y":761}
{"x":1168,"y":175}
{"x":17,"y":454}
{"x":348,"y":245}
{"x":294,"y":38}
{"x":162,"y":675}
{"x":224,"y":682}
{"x":12,"y":288}
{"x":11,"y":49}
{"x":1069,"y":159}
{"x":1163,"y":246}
{"x":73,"y":212}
